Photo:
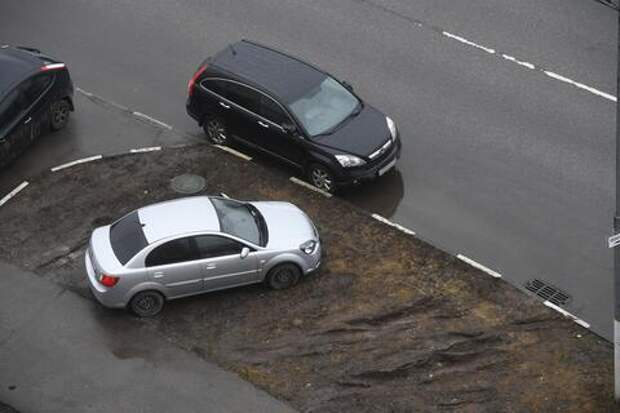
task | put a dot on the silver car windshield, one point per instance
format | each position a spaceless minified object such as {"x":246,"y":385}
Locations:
{"x":324,"y":107}
{"x":241,"y":220}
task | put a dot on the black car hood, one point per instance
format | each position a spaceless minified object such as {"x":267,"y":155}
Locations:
{"x":360,"y":135}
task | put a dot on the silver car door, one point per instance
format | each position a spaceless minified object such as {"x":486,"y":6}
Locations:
{"x":176,"y":266}
{"x":222,"y":264}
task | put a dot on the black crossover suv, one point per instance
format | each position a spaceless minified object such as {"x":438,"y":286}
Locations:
{"x":36,"y":95}
{"x":293,"y":111}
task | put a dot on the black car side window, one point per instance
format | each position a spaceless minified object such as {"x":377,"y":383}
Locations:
{"x":216,"y":86}
{"x":244,"y":96}
{"x":178,"y":250}
{"x":213,"y":246}
{"x":34,"y":87}
{"x":270,"y":110}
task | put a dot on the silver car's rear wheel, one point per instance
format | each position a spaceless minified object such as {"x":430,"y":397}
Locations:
{"x":147,"y":303}
{"x":216,"y":131}
{"x":283,"y":276}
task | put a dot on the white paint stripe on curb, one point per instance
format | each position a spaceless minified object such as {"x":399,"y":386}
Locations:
{"x":13,"y":193}
{"x":393,"y":224}
{"x":311,"y":187}
{"x":567,"y":314}
{"x":82,"y":91}
{"x":519,"y":62}
{"x":479,"y":266}
{"x":468,"y":42}
{"x":234,"y":152}
{"x":152,"y":120}
{"x":580,"y":85}
{"x":76,"y":162}
{"x":148,"y":149}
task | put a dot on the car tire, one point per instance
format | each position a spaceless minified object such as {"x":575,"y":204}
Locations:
{"x":321,"y":177}
{"x":215,"y":130}
{"x":283,"y":276}
{"x":147,"y":303}
{"x":59,"y":114}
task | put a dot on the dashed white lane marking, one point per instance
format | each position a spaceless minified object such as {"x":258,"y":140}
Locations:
{"x":519,"y":62}
{"x":76,"y":162}
{"x":82,"y":91}
{"x":148,"y":149}
{"x":152,"y":120}
{"x":567,"y":314}
{"x":581,"y":86}
{"x":234,"y":152}
{"x":393,"y":224}
{"x":481,"y":267}
{"x":468,"y":42}
{"x":311,"y":187}
{"x":13,"y":193}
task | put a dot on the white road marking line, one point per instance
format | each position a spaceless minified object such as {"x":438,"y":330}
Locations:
{"x":152,"y":120}
{"x":13,"y":193}
{"x":468,"y":42}
{"x":148,"y":149}
{"x":566,"y":314}
{"x":581,"y":86}
{"x":82,"y":91}
{"x":311,"y":187}
{"x":479,"y":266}
{"x":234,"y":152}
{"x":76,"y":162}
{"x":393,"y":224}
{"x":519,"y":62}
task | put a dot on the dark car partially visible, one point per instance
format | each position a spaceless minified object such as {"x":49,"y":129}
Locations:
{"x":36,"y":96}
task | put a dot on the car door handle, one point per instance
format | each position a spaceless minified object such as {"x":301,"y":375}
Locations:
{"x":263,"y":124}
{"x":158,"y":274}
{"x":210,"y":266}
{"x":224,"y":105}
{"x":27,"y":121}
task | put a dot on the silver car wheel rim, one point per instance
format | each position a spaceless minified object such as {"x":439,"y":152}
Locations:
{"x":146,"y":304}
{"x":321,"y":179}
{"x":284,"y":277}
{"x":216,"y":132}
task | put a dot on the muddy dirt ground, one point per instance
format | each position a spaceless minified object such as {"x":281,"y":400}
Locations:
{"x":389,"y":324}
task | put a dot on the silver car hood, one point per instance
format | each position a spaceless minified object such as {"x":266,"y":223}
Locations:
{"x":288,"y":226}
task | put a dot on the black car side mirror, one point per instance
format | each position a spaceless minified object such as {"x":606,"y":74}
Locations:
{"x":289,"y":128}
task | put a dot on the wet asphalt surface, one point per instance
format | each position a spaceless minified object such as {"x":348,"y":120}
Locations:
{"x":500,"y":163}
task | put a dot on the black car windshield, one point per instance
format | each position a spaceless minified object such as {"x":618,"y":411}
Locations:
{"x":241,"y":220}
{"x":127,"y":237}
{"x":324,"y":107}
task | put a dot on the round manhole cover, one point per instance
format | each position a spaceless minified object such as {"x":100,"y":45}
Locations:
{"x":188,"y":183}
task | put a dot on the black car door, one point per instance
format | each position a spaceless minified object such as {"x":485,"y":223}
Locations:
{"x":36,"y":116}
{"x":9,"y":115}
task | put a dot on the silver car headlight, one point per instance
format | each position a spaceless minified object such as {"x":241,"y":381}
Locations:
{"x":348,"y":161}
{"x":392,"y":127}
{"x":309,"y":247}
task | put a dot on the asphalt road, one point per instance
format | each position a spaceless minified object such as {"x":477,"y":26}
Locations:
{"x":501,"y":163}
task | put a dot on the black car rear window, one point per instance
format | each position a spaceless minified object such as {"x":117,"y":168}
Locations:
{"x":127,"y":237}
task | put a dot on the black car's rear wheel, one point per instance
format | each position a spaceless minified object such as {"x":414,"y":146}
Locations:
{"x":59,"y":114}
{"x":216,"y":131}
{"x":147,"y":303}
{"x":321,"y":177}
{"x":283,"y":276}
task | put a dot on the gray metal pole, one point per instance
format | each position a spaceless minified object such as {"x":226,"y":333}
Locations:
{"x":617,"y":249}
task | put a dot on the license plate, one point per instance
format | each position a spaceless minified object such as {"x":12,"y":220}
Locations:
{"x":387,"y":167}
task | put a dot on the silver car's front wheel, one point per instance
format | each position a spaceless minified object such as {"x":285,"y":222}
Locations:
{"x":216,"y":131}
{"x":147,"y":303}
{"x":283,"y":276}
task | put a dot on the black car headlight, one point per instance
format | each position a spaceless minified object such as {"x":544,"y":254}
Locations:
{"x":348,"y":161}
{"x":392,"y":127}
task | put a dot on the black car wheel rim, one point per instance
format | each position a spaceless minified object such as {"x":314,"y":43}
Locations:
{"x":60,"y":115}
{"x":322,"y":179}
{"x":216,"y":132}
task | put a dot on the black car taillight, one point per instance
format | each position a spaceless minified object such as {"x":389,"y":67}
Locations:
{"x":192,"y":82}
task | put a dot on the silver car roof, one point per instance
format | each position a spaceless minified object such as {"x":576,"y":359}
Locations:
{"x":177,"y":217}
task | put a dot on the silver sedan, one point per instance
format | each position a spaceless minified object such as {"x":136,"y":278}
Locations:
{"x":193,"y":245}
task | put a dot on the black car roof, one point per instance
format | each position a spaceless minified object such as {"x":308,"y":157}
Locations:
{"x":15,"y":65}
{"x":284,"y":76}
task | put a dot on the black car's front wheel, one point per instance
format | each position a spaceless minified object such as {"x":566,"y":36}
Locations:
{"x":283,"y":276}
{"x":147,"y":303}
{"x":216,"y":131}
{"x":321,"y":177}
{"x":59,"y":114}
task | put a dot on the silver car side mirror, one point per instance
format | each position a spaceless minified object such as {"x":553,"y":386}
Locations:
{"x":245,"y":251}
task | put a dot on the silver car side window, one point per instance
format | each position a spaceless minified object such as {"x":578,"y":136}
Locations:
{"x":178,"y":250}
{"x":213,"y":246}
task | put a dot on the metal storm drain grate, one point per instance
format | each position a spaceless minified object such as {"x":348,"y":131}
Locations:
{"x":188,"y":183}
{"x":547,"y":292}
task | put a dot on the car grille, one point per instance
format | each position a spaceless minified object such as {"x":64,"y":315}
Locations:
{"x":381,"y":153}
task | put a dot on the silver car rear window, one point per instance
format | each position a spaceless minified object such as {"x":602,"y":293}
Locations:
{"x":127,"y":237}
